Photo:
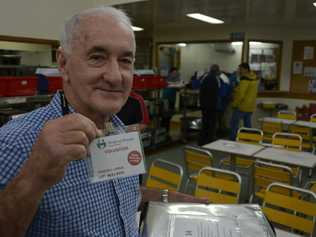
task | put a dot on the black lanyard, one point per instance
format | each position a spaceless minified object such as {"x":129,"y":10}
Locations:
{"x":64,"y":103}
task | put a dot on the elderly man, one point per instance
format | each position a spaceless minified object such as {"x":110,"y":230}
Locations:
{"x":43,"y":175}
{"x":47,"y":192}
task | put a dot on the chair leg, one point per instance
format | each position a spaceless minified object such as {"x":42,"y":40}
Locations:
{"x":187,"y":185}
{"x":251,"y":198}
{"x":310,"y":172}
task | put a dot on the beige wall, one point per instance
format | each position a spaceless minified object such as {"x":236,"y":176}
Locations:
{"x":42,"y":18}
{"x":37,"y":18}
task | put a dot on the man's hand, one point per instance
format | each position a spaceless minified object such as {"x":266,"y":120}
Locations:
{"x":61,"y":140}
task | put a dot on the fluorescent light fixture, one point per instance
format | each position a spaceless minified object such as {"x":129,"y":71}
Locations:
{"x":255,"y":43}
{"x":182,"y":44}
{"x":135,"y":28}
{"x":205,"y":18}
{"x":237,"y":43}
{"x":314,"y":4}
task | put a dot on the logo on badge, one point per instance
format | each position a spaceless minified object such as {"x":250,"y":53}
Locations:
{"x":134,"y":158}
{"x":101,"y":144}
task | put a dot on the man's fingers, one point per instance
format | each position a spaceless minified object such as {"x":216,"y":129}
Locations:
{"x":76,"y":152}
{"x":79,"y":122}
{"x":76,"y":137}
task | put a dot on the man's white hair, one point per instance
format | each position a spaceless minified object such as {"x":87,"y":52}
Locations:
{"x":71,"y":25}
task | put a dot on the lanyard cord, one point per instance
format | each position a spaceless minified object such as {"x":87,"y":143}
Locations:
{"x":64,"y":103}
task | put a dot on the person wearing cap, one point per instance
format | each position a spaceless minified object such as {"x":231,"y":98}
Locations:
{"x":44,"y":181}
{"x":244,"y":99}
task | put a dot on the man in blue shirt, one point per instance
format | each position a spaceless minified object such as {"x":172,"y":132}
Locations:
{"x":43,"y":174}
{"x":44,"y":182}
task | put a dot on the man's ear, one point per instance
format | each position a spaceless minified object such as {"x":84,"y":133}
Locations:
{"x":62,"y":61}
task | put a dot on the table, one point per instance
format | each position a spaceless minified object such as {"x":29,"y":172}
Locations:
{"x":282,"y":233}
{"x":277,"y":120}
{"x":298,"y":158}
{"x":233,"y":147}
{"x":306,"y":124}
{"x":200,"y":220}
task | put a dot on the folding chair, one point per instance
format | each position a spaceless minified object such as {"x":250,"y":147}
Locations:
{"x":286,"y":114}
{"x":213,"y":184}
{"x":306,"y":134}
{"x":313,"y":119}
{"x":291,"y":213}
{"x":269,"y":128}
{"x":290,"y":141}
{"x":265,"y":173}
{"x":164,"y":175}
{"x":195,"y":159}
{"x":311,"y":185}
{"x":245,"y":135}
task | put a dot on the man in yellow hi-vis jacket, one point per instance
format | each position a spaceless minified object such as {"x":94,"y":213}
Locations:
{"x":244,"y":102}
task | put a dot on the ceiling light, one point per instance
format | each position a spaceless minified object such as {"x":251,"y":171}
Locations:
{"x":255,"y":43}
{"x":237,"y":43}
{"x":205,"y":18}
{"x":314,"y":4}
{"x":135,"y":28}
{"x":182,"y":44}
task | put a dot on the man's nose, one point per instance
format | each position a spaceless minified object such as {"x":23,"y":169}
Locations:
{"x":113,"y":72}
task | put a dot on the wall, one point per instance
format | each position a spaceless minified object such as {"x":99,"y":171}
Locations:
{"x":38,"y":58}
{"x":199,"y":57}
{"x":31,"y":54}
{"x":37,"y":18}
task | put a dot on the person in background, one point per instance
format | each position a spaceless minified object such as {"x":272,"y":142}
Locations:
{"x":44,"y":181}
{"x":134,"y":111}
{"x":170,"y":94}
{"x":208,"y":102}
{"x":244,"y":99}
{"x":223,"y":99}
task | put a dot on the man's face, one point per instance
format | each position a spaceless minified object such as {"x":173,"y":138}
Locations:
{"x":98,"y":72}
{"x":242,"y":71}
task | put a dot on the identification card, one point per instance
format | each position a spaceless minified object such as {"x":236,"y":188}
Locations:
{"x":116,"y":156}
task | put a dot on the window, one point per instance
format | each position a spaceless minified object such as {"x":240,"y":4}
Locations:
{"x":265,"y":59}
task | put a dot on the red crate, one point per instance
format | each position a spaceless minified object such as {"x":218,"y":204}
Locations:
{"x":140,"y":82}
{"x":157,"y":82}
{"x":54,"y":84}
{"x":148,"y":82}
{"x":2,"y":86}
{"x":18,"y":86}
